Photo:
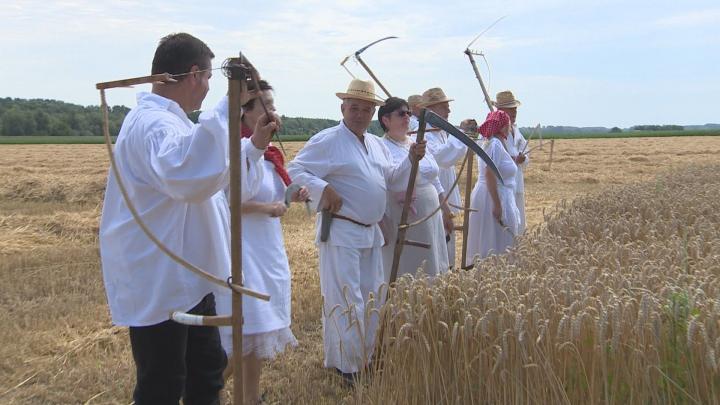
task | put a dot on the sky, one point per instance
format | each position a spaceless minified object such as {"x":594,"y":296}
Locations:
{"x":570,"y":62}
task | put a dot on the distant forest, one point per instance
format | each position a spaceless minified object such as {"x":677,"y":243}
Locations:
{"x":20,"y":117}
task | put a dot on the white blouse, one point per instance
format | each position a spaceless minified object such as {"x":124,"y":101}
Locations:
{"x":428,"y":169}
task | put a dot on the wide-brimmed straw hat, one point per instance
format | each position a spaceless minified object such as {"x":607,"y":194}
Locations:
{"x":505,"y":99}
{"x":361,"y":90}
{"x":433,"y":96}
{"x":414,"y":100}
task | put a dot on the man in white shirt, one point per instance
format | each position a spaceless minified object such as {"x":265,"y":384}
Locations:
{"x":414,"y":104}
{"x":447,"y":151}
{"x":346,"y":169}
{"x":515,"y":143}
{"x":175,"y":173}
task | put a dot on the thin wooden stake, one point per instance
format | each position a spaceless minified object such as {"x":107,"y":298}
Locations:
{"x":552,"y":147}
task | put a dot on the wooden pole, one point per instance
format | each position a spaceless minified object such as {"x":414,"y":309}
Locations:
{"x":552,"y":147}
{"x":402,"y":230}
{"x":234,"y":93}
{"x":370,"y":72}
{"x":158,"y":78}
{"x":469,"y":172}
{"x":488,"y":100}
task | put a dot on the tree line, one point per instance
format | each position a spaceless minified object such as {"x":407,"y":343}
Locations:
{"x":22,"y":117}
{"x":658,"y":128}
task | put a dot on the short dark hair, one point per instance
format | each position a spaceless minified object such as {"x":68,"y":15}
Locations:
{"x":391,"y":105}
{"x":178,"y":53}
{"x":264,"y":86}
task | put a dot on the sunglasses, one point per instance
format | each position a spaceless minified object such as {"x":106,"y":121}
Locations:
{"x":403,"y":113}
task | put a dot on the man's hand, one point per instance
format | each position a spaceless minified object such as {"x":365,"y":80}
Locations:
{"x":469,"y":125}
{"x":447,"y":217}
{"x":275,"y":209}
{"x":417,"y":151}
{"x":301,"y":195}
{"x":265,"y":127}
{"x":330,"y":200}
{"x":520,"y":158}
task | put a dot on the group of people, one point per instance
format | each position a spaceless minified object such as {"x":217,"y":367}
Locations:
{"x":177,"y":174}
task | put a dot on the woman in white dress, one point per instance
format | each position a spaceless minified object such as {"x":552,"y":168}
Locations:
{"x":266,"y":327}
{"x":394,"y":118}
{"x":495,"y":224}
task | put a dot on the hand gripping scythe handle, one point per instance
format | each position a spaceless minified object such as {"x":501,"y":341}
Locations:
{"x":402,"y":229}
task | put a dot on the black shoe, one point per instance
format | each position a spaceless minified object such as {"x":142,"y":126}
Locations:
{"x":349,"y":378}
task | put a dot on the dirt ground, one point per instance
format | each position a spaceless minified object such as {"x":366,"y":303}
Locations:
{"x":57,"y":344}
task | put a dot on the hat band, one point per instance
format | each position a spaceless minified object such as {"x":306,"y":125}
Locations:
{"x":361,"y":92}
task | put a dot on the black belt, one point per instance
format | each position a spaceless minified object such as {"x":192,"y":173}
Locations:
{"x":338,"y":216}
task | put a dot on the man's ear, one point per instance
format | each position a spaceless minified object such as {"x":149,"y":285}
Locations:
{"x":194,"y":69}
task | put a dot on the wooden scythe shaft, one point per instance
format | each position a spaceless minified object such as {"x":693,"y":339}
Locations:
{"x":402,"y":230}
{"x":158,"y":78}
{"x":370,"y":72}
{"x":469,"y":172}
{"x":234,"y":93}
{"x":488,"y":100}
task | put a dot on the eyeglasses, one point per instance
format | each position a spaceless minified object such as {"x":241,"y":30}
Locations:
{"x":403,"y":113}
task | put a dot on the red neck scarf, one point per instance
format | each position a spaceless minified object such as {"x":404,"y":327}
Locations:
{"x":273,"y":155}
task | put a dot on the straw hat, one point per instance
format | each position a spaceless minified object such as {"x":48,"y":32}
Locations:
{"x":433,"y":96}
{"x":361,"y":90}
{"x":505,"y":99}
{"x":414,"y":100}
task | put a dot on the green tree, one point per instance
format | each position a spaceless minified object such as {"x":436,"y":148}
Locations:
{"x":16,"y":122}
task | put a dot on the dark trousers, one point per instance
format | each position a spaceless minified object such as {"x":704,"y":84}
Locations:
{"x":174,"y":361}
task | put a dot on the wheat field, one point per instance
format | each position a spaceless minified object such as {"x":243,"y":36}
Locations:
{"x":58,"y":345}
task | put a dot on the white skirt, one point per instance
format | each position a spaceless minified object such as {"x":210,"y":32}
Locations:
{"x":432,"y":261}
{"x":486,"y":236}
{"x":267,"y":345}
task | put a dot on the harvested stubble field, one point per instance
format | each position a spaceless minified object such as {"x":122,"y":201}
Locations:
{"x":633,"y":258}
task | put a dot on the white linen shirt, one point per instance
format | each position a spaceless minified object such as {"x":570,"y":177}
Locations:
{"x":447,"y":151}
{"x":514,"y":144}
{"x":174,"y":172}
{"x":358,"y":173}
{"x":414,"y":123}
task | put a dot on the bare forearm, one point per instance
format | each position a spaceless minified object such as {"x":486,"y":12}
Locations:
{"x":492,"y":186}
{"x":252,"y":207}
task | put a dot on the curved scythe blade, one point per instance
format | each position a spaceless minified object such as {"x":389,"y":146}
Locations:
{"x":361,"y":50}
{"x":484,"y":31}
{"x":436,"y":121}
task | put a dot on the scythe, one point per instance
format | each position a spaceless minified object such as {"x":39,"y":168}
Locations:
{"x":364,"y":65}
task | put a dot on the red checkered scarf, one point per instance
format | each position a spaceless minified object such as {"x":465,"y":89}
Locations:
{"x":494,"y":122}
{"x":272,"y":154}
